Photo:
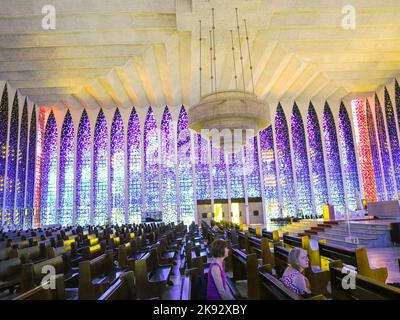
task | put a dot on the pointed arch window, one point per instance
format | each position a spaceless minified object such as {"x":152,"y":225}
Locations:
{"x":300,"y":158}
{"x":349,"y":162}
{"x":334,"y":174}
{"x":83,"y":171}
{"x":8,"y":212}
{"x":317,"y":160}
{"x":286,"y":181}
{"x":151,"y":163}
{"x":185,"y":169}
{"x":66,"y":174}
{"x":134,"y":169}
{"x":100,"y":171}
{"x":49,"y":173}
{"x":269,"y":173}
{"x":117,"y":170}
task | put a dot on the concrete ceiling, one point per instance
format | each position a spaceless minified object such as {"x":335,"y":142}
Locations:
{"x":146,"y":52}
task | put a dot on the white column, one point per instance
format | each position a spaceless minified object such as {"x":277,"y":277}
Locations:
{"x":193,"y":157}
{"x":246,"y":197}
{"x":261,"y":173}
{"x":228,"y":187}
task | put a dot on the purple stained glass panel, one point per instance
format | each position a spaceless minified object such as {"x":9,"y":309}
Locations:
{"x":3,"y":142}
{"x":376,"y":162}
{"x":303,"y":185}
{"x":185,"y":169}
{"x":318,"y":177}
{"x":151,"y":163}
{"x":384,"y":147}
{"x":394,"y":141}
{"x":117,"y":170}
{"x":83,"y":171}
{"x":269,"y":173}
{"x":334,"y":173}
{"x":349,"y":162}
{"x":66,"y":172}
{"x":286,"y":181}
{"x":49,"y":173}
{"x":100,"y":171}
{"x":8,"y":210}
{"x":134,"y":168}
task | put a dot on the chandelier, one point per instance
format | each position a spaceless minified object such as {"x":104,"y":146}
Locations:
{"x":229,"y":118}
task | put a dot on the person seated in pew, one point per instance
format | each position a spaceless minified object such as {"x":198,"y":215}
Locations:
{"x":217,"y":287}
{"x":293,"y":277}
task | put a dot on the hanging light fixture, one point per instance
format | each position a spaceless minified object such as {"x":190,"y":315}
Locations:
{"x":228,"y":117}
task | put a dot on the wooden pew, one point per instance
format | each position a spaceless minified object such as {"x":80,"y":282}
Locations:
{"x":366,"y":288}
{"x":194,"y":283}
{"x":7,"y":253}
{"x":128,"y":254}
{"x":245,"y":268}
{"x":357,"y":258}
{"x":271,"y":288}
{"x":261,"y":246}
{"x":32,"y":254}
{"x":272,"y":236}
{"x":89,"y":253}
{"x":96,"y":276}
{"x":40,"y":293}
{"x":32,"y":274}
{"x":123,"y":289}
{"x":10,"y":274}
{"x":151,"y":278}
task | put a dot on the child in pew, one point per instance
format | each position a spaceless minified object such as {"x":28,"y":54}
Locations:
{"x":293,"y":277}
{"x":217,"y":287}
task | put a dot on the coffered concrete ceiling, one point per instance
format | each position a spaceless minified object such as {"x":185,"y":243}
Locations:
{"x":146,"y":52}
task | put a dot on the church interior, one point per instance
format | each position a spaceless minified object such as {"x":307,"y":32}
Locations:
{"x":139,"y":138}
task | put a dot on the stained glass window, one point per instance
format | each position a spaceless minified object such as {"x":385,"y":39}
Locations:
{"x":269,"y":172}
{"x":3,"y":142}
{"x":185,"y":169}
{"x":40,"y":152}
{"x":134,"y":168}
{"x":363,"y":147}
{"x":333,"y":160}
{"x":351,"y":182}
{"x":49,"y":173}
{"x":8,"y":210}
{"x":30,"y":177}
{"x":394,"y":141}
{"x":83,"y":171}
{"x":219,"y":173}
{"x":236,"y":172}
{"x":203,"y":180}
{"x":380,"y":189}
{"x":151,"y":163}
{"x":384,"y":147}
{"x":303,"y":185}
{"x":286,"y":181}
{"x":20,"y":186}
{"x":66,"y":174}
{"x":117,"y":170}
{"x":168,"y":168}
{"x":100,"y":171}
{"x":252,"y":168}
{"x":316,"y":160}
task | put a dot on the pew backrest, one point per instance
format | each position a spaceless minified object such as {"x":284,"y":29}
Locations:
{"x":365,"y":287}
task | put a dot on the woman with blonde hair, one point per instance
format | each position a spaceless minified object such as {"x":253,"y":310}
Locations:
{"x":293,"y":277}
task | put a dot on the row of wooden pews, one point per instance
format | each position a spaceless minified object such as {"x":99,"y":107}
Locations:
{"x":91,"y":260}
{"x":328,"y":266}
